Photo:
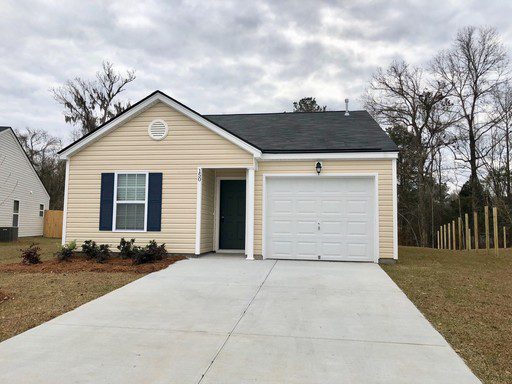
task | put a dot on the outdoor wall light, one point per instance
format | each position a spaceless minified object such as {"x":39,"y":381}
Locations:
{"x":318,"y":167}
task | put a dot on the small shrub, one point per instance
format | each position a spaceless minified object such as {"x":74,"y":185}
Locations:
{"x":90,"y":249}
{"x":127,"y":248}
{"x":66,"y":251}
{"x":31,"y":254}
{"x":150,"y":253}
{"x":156,"y":251}
{"x":103,"y":254}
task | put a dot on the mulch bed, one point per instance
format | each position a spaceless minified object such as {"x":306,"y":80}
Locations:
{"x":80,"y":264}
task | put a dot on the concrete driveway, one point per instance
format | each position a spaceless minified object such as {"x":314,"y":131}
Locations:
{"x":226,"y":320}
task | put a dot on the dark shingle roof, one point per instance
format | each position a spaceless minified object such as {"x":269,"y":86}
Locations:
{"x":3,"y":128}
{"x":330,"y":131}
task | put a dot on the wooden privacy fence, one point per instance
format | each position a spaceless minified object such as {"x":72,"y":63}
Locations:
{"x":456,"y":235}
{"x":52,"y":224}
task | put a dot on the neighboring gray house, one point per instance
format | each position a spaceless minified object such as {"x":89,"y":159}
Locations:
{"x":23,"y":198}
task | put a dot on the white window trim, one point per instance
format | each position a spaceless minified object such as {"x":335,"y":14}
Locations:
{"x":16,"y":213}
{"x":41,"y":210}
{"x":145,"y":201}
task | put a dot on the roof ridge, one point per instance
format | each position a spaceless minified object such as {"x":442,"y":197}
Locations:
{"x":279,"y":113}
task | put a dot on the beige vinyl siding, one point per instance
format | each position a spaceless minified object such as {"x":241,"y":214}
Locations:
{"x":207,"y":210}
{"x":129,"y":148}
{"x":382,"y":167}
{"x":19,"y":181}
{"x":230,"y":173}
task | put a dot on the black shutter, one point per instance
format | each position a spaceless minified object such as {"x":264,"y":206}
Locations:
{"x":106,"y":201}
{"x":154,"y":202}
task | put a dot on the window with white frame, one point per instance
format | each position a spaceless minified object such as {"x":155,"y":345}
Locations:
{"x":41,"y":210}
{"x":130,"y":201}
{"x":16,"y":213}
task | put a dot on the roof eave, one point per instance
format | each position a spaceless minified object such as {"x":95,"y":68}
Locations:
{"x":141,"y":106}
{"x":360,"y":155}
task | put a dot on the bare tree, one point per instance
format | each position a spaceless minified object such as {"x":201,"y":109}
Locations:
{"x":39,"y":145}
{"x":474,"y":67}
{"x":90,"y":103}
{"x":41,"y":149}
{"x":401,"y":96}
{"x":502,"y":105}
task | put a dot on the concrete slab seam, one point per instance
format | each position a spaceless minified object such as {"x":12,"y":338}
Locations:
{"x":236,"y":324}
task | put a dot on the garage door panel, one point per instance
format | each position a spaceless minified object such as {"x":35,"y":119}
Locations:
{"x":332,"y":206}
{"x":357,"y":228}
{"x":282,"y":248}
{"x":330,"y":217}
{"x":282,"y":206}
{"x":357,"y":206}
{"x":357,"y":250}
{"x":306,"y":227}
{"x":282,"y":227}
{"x":332,"y":227}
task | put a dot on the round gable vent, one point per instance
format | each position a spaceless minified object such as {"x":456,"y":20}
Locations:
{"x":158,"y":129}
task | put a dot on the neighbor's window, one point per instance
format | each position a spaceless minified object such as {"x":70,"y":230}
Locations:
{"x":131,"y":201}
{"x":16,"y":213}
{"x":41,"y":210}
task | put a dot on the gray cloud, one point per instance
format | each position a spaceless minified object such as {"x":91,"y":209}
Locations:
{"x":230,"y":56}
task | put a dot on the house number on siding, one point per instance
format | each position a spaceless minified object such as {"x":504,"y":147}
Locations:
{"x":199,"y":175}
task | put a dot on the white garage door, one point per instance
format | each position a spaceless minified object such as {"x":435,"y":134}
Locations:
{"x":326,"y":218}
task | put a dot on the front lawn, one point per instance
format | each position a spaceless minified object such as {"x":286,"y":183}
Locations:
{"x":33,"y":294}
{"x":467,"y":296}
{"x":10,"y":252}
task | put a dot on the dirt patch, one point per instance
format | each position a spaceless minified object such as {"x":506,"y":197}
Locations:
{"x":79,"y":264}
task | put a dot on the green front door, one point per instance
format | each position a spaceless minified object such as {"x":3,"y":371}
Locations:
{"x":232,"y":214}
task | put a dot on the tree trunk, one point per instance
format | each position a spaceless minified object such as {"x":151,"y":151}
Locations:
{"x":507,"y":146}
{"x":475,"y":187}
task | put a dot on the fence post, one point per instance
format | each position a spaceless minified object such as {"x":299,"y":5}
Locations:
{"x":495,"y":228}
{"x":468,"y":234}
{"x":486,"y":209}
{"x":475,"y":228}
{"x":504,"y":238}
{"x":460,"y":233}
{"x":445,"y":237}
{"x":449,"y":236}
{"x":441,"y":231}
{"x":454,"y":237}
{"x":438,"y":243}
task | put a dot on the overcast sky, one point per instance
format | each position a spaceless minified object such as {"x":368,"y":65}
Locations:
{"x":220,"y":57}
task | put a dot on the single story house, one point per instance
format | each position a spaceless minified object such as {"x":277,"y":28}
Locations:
{"x":318,"y":186}
{"x":23,"y":197}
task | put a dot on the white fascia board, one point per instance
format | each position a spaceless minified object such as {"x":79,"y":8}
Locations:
{"x":329,"y":156}
{"x":147,"y":104}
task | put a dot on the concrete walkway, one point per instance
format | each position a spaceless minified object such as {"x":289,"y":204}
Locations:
{"x":226,"y":320}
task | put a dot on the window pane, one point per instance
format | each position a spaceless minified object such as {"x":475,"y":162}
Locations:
{"x":16,"y":208}
{"x":121,"y":180}
{"x":130,"y":216}
{"x":131,"y":187}
{"x":15,"y":220}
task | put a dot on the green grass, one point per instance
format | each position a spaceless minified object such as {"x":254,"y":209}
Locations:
{"x":467,"y":296}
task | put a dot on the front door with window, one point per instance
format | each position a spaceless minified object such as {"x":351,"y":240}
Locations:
{"x":232,"y":214}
